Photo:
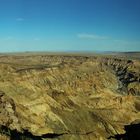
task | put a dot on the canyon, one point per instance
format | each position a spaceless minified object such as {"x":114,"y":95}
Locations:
{"x":69,"y":97}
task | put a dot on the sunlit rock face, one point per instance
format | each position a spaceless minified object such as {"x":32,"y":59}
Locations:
{"x":67,"y":97}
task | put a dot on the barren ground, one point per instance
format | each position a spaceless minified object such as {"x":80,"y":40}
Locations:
{"x":69,"y":97}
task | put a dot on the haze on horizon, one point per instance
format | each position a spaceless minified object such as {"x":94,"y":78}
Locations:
{"x":69,"y":25}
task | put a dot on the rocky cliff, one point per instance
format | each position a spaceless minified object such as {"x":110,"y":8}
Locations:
{"x":67,"y":97}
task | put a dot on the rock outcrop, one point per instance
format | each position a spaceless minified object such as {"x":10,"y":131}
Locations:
{"x":67,"y":97}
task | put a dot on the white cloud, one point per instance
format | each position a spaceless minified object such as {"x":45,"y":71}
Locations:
{"x":127,"y":42}
{"x":20,"y":19}
{"x":121,"y":41}
{"x":9,"y":38}
{"x":91,"y":36}
{"x":37,"y":39}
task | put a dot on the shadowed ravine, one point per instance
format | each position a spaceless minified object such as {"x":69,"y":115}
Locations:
{"x":25,"y":135}
{"x":132,"y":133}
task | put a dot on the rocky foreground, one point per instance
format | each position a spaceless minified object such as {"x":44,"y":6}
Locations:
{"x":44,"y":97}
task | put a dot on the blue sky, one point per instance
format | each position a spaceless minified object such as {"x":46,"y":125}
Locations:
{"x":69,"y":25}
